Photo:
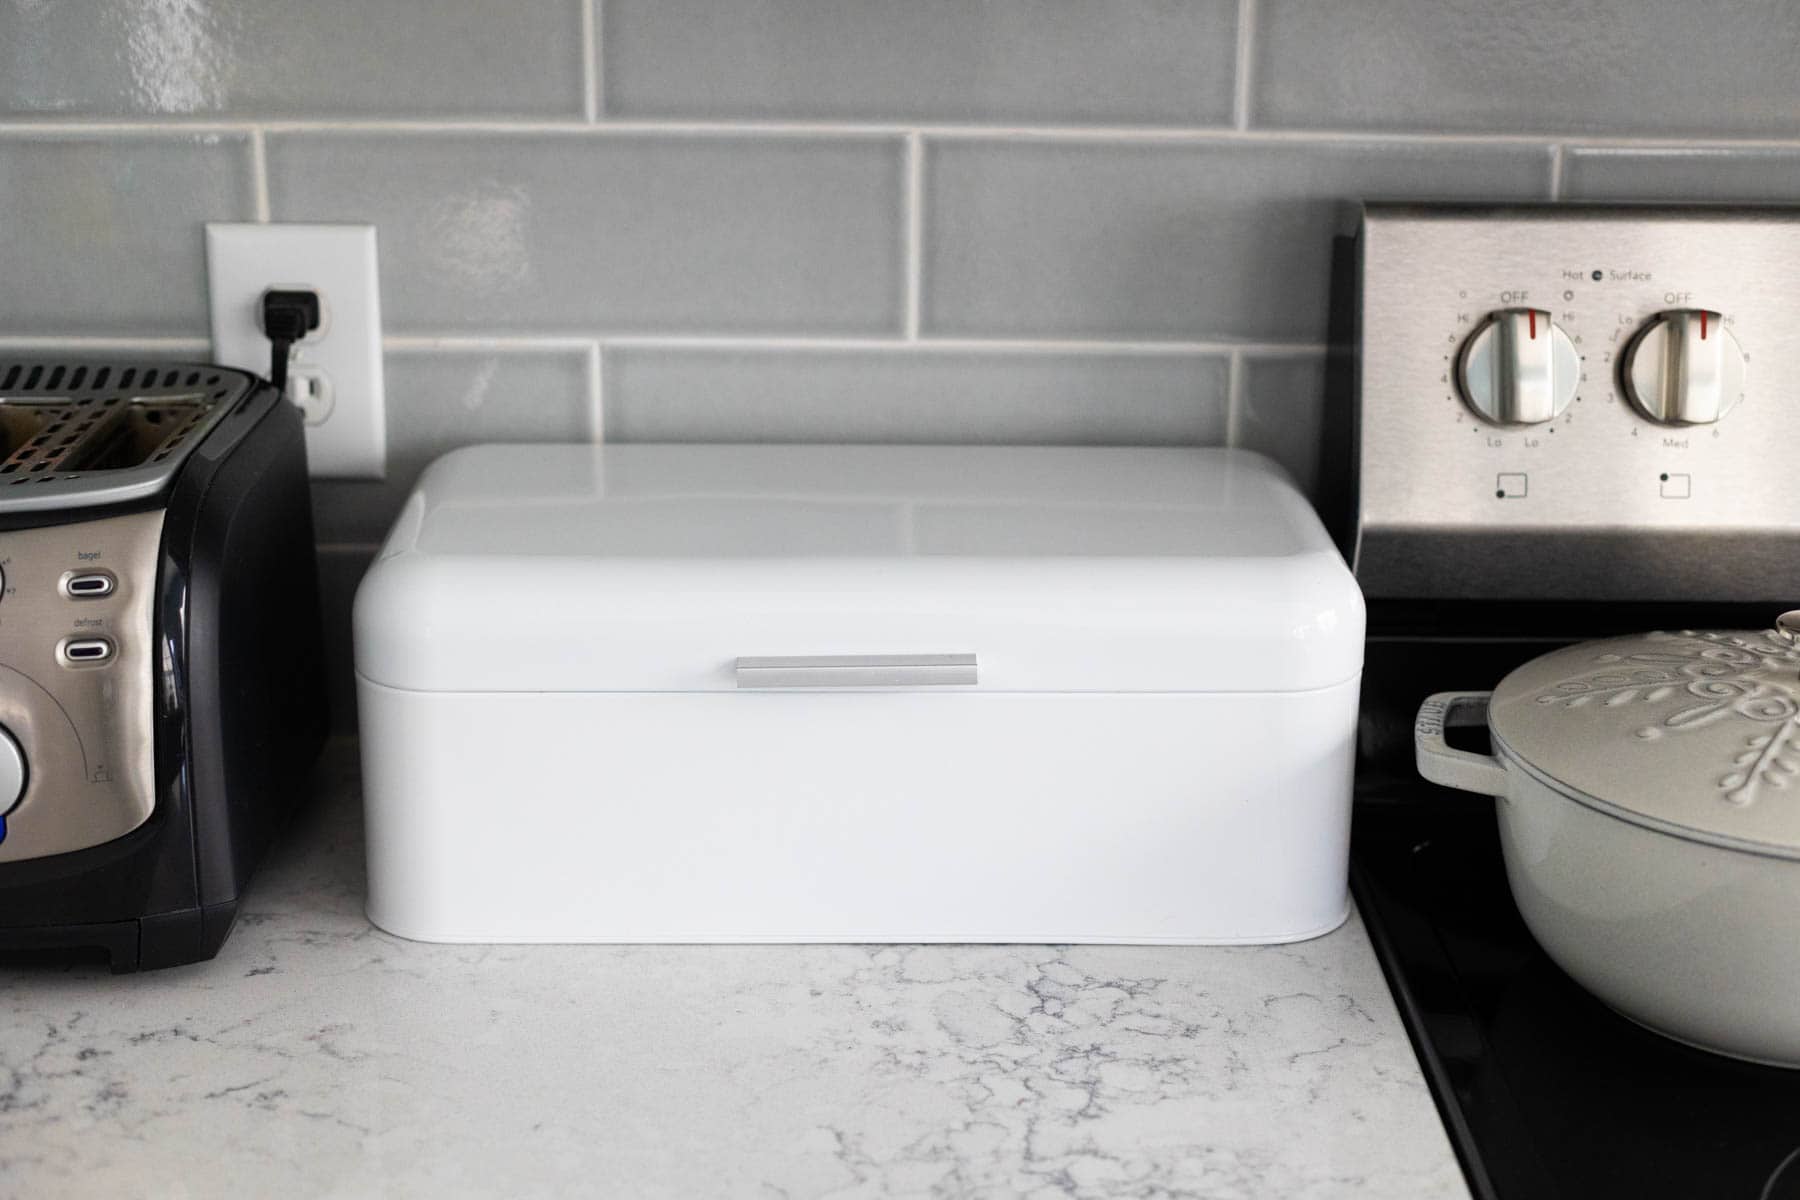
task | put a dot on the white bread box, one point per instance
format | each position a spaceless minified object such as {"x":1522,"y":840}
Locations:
{"x":659,"y":693}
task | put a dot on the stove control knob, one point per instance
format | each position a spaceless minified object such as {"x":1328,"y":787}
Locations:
{"x":1685,"y":368}
{"x":1518,"y":368}
{"x":12,"y":772}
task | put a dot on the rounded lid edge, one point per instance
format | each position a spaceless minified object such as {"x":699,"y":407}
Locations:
{"x":1695,"y":733}
{"x":1640,"y":820}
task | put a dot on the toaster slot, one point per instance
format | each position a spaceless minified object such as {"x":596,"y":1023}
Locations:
{"x":19,"y":423}
{"x":79,"y":433}
{"x":135,"y":433}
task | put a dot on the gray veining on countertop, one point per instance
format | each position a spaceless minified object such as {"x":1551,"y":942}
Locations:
{"x":318,"y":1056}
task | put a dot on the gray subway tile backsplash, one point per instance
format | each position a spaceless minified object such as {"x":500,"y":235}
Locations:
{"x":1606,"y":66}
{"x":1282,"y":406}
{"x":924,"y":60}
{"x":1157,"y":240}
{"x":741,"y":237}
{"x":102,"y":234}
{"x":1682,"y":173}
{"x":282,"y":58}
{"x":657,"y":394}
{"x":439,"y":399}
{"x":577,"y":232}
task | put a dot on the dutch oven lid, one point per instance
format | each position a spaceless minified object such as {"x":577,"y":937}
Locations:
{"x":1694,"y":732}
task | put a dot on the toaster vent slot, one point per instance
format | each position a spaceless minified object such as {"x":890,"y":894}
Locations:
{"x":86,"y":382}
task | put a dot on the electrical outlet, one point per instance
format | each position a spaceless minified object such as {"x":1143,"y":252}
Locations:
{"x":334,"y":372}
{"x":311,"y":391}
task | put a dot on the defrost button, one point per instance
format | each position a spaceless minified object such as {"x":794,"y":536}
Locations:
{"x":85,"y":651}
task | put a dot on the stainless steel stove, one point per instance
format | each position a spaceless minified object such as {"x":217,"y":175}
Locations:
{"x":1558,"y":423}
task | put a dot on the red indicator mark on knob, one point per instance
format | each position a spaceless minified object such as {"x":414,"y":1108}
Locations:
{"x":1532,"y":316}
{"x":1703,"y":325}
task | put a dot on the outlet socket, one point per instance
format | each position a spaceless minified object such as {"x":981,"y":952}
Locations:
{"x":311,"y":392}
{"x":334,"y":372}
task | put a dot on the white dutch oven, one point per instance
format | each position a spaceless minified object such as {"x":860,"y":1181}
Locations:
{"x":1649,"y":808}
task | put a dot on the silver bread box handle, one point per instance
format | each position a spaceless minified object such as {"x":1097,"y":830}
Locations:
{"x":856,"y":670}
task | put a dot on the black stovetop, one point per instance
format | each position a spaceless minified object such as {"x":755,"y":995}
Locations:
{"x":1546,"y":1092}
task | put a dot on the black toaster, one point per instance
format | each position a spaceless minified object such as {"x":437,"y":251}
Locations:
{"x":161,"y":687}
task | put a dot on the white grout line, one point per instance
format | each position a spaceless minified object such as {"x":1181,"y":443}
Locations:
{"x":842,"y":129}
{"x":915,"y":231}
{"x":485,"y":344}
{"x":259,"y":174}
{"x":1240,"y":93}
{"x":593,"y":347}
{"x":1234,"y":398}
{"x":590,"y":60}
{"x":861,"y":130}
{"x":1556,"y":171}
{"x":82,"y":128}
{"x":125,"y":345}
{"x":596,"y":392}
{"x":1279,"y":349}
{"x":931,"y":345}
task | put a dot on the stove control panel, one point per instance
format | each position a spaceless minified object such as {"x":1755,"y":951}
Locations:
{"x":1578,"y":402}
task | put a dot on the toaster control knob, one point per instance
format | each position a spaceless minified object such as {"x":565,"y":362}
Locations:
{"x":12,"y":772}
{"x":1685,"y":368}
{"x":1519,"y":368}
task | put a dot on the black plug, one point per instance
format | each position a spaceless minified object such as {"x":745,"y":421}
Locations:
{"x":287,"y":316}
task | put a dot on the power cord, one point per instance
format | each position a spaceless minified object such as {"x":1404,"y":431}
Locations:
{"x":287,"y":316}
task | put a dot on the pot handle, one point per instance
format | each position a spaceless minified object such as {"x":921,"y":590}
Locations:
{"x":1463,"y":769}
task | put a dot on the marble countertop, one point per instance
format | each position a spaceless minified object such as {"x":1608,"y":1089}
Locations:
{"x":317,"y":1056}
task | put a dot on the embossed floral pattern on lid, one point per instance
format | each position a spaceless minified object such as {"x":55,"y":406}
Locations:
{"x":1694,"y":728}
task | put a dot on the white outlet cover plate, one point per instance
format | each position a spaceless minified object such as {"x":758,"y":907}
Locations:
{"x":338,"y":261}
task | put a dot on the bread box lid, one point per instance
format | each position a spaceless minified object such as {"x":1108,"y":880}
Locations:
{"x":995,"y":569}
